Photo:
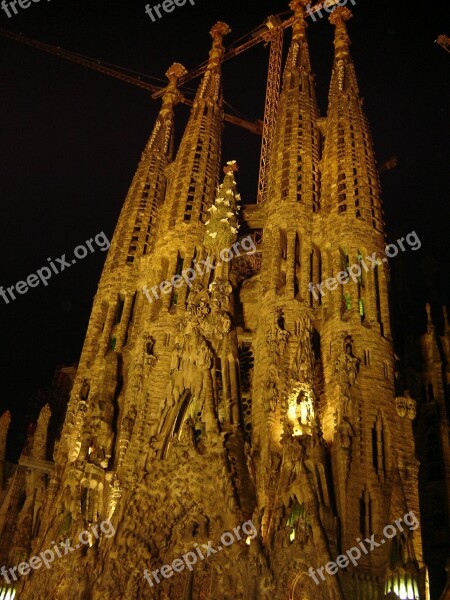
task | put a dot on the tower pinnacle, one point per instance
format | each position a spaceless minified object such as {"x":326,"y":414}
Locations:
{"x":171,"y":94}
{"x":218,"y":32}
{"x":194,"y":173}
{"x":210,"y":87}
{"x":299,"y":25}
{"x":136,"y":228}
{"x":342,"y":41}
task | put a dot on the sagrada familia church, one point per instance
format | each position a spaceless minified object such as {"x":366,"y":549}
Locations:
{"x":245,"y":396}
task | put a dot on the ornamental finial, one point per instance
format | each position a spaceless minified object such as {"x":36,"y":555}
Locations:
{"x":340,"y":15}
{"x":176,"y":71}
{"x":297,"y":5}
{"x":171,"y":95}
{"x":220,"y":30}
{"x":231,"y":167}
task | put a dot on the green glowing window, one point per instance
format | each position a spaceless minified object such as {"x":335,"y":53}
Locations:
{"x":347,"y":301}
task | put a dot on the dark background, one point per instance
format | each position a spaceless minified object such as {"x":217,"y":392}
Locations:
{"x":71,"y":139}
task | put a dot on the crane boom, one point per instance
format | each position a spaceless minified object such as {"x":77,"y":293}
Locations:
{"x":263,"y":34}
{"x":96,"y":65}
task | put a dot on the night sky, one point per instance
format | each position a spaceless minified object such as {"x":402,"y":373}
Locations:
{"x":71,"y":139}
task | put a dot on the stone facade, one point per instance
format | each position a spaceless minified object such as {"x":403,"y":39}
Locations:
{"x":246,"y":395}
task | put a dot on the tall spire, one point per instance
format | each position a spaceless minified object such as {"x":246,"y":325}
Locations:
{"x":295,"y":149}
{"x":299,"y":39}
{"x":292,"y":199}
{"x":349,"y":160}
{"x":293,"y":179}
{"x":194,"y":174}
{"x":342,"y":39}
{"x":137,"y":223}
{"x":350,"y":188}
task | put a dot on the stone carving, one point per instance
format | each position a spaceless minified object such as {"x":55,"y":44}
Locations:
{"x":277,"y":338}
{"x":346,"y":369}
{"x":150,"y":358}
{"x":40,"y":435}
{"x":74,"y":427}
{"x":207,"y":310}
{"x":300,"y":399}
{"x":84,"y":390}
{"x":115,"y":494}
{"x":411,"y":407}
{"x":271,"y":387}
{"x":406,"y":406}
{"x":302,"y":368}
{"x":346,"y":434}
{"x":126,"y":431}
{"x":101,"y":434}
{"x":400,"y":405}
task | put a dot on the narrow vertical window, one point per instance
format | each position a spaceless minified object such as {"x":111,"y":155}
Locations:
{"x":178,"y":271}
{"x":361,"y":287}
{"x":119,"y":311}
{"x":345,"y":297}
{"x":283,"y":260}
{"x":311,"y":277}
{"x":297,"y":266}
{"x":376,"y":279}
{"x":378,"y":447}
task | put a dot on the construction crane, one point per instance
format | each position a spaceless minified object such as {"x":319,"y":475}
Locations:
{"x":96,"y":65}
{"x":444,"y":41}
{"x":270,"y":32}
{"x":275,"y":36}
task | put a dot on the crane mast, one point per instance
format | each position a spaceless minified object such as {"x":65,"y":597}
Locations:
{"x":275,"y":36}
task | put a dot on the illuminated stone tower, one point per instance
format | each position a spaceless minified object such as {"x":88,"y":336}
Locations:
{"x":254,"y":394}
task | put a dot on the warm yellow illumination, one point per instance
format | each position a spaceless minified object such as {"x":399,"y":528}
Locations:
{"x":292,"y":535}
{"x":300,"y":410}
{"x":292,"y":410}
{"x":7,"y":594}
{"x":402,"y":593}
{"x":403,"y":584}
{"x":248,"y":541}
